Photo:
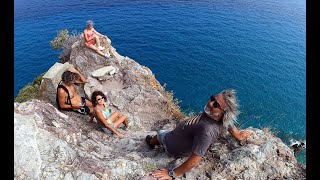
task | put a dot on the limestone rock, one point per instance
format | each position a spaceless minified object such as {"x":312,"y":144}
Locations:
{"x":103,"y":71}
{"x":51,"y":79}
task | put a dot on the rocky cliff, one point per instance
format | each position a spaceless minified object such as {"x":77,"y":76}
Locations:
{"x":53,"y":144}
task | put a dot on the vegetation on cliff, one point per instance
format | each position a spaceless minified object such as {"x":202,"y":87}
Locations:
{"x":172,"y":103}
{"x":64,"y":41}
{"x":30,"y":91}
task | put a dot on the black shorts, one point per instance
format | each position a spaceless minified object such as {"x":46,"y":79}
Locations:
{"x":84,"y":110}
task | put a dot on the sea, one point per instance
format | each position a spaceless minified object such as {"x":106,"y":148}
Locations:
{"x":196,"y":48}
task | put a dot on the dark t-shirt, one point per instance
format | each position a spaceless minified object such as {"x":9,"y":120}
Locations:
{"x":194,"y":135}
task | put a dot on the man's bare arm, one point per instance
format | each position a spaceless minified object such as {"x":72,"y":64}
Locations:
{"x":82,"y":78}
{"x":96,"y":32}
{"x":191,"y":162}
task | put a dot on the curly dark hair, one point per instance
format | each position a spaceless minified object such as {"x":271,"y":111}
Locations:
{"x":94,"y":95}
{"x":70,"y":77}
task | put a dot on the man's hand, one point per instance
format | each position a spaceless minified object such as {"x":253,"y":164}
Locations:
{"x":244,"y":135}
{"x":82,"y":80}
{"x":239,"y":135}
{"x":162,"y":174}
{"x":191,"y":162}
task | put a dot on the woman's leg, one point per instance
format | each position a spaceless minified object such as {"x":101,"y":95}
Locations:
{"x":125,"y":121}
{"x":97,"y":40}
{"x":117,"y":119}
{"x":91,"y":46}
{"x":122,"y":119}
{"x":114,"y":116}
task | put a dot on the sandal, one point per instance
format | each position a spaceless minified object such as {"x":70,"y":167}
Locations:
{"x":148,"y":139}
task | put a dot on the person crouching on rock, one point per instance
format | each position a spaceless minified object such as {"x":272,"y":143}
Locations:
{"x":107,"y":119}
{"x":191,"y":138}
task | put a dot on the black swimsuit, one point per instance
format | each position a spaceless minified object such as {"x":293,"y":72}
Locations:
{"x":83,"y":110}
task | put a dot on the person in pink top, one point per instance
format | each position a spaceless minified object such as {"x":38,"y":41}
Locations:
{"x":92,"y":41}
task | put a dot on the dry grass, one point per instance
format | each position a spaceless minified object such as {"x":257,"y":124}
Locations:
{"x":173,"y":107}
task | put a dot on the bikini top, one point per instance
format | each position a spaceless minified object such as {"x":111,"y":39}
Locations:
{"x":105,"y":112}
{"x":90,"y":34}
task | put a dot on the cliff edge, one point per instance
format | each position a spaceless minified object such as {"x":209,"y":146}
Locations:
{"x":53,"y":144}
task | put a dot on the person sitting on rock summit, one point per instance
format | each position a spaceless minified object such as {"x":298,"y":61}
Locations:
{"x":191,"y":138}
{"x":104,"y":116}
{"x":67,"y":96}
{"x":91,"y":37}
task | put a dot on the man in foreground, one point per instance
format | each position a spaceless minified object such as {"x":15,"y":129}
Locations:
{"x":192,"y":138}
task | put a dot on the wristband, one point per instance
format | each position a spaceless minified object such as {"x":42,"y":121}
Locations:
{"x":171,"y":173}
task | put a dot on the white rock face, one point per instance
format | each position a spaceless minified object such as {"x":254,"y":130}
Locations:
{"x":51,"y":79}
{"x":103,"y":71}
{"x":27,"y":160}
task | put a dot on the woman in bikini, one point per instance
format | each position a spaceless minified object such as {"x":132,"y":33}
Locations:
{"x":67,"y":96}
{"x":92,"y":39}
{"x":107,"y":119}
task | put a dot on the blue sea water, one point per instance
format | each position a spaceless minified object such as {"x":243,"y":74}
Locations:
{"x":197,"y":48}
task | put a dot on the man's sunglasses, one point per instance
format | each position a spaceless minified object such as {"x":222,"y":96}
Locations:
{"x":215,"y":103}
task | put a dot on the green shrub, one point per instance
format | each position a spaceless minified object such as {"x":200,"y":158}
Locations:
{"x":63,"y":42}
{"x":59,"y":42}
{"x":30,"y":91}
